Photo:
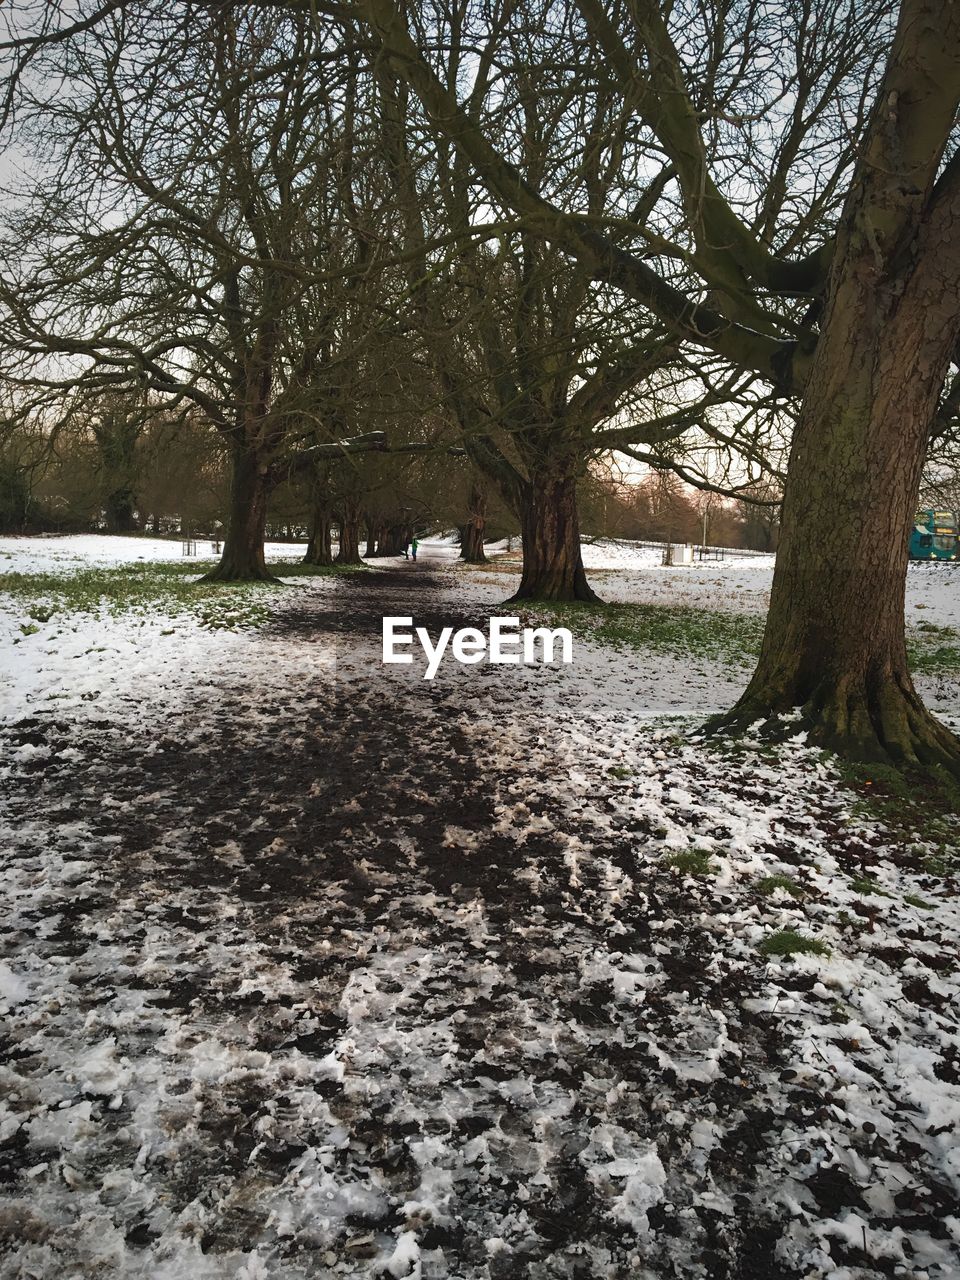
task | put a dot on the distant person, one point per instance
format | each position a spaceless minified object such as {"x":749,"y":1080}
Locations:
{"x":413,"y":548}
{"x":406,"y":549}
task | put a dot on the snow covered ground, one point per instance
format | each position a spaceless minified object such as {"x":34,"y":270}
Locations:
{"x":59,"y":553}
{"x":312,"y":968}
{"x":611,"y":553}
{"x":630,"y":573}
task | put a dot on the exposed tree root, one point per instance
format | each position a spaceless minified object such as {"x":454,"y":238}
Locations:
{"x":471,"y":545}
{"x":882,"y":721}
{"x":225,"y":572}
{"x":559,"y":594}
{"x":556,"y":585}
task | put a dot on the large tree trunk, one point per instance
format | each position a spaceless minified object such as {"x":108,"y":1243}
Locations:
{"x":390,"y":541}
{"x":319,"y":548}
{"x":120,"y":509}
{"x":117,"y":436}
{"x":349,"y":550}
{"x":552,"y":564}
{"x":371,"y":550}
{"x":834,"y":643}
{"x":471,"y":534}
{"x":243,"y":559}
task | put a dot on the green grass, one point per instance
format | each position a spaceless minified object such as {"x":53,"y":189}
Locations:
{"x":920,"y":812}
{"x":933,"y":648}
{"x":789,"y":943}
{"x":942,"y":857}
{"x":945,"y":657}
{"x":914,"y":901}
{"x":730,"y":637}
{"x":769,"y":884}
{"x":619,"y":771}
{"x":691,"y":862}
{"x":868,"y":887}
{"x":148,"y":587}
{"x":297,"y":569}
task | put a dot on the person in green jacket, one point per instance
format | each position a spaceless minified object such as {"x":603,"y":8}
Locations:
{"x":413,"y":548}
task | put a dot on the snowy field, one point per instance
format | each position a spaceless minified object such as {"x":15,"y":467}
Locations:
{"x":312,"y":968}
{"x":56,"y":553}
{"x":623,"y":571}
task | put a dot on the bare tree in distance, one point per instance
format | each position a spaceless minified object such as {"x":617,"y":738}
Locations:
{"x":540,"y":370}
{"x":207,"y":176}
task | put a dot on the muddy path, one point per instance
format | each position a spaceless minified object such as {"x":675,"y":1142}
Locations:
{"x":342,"y":968}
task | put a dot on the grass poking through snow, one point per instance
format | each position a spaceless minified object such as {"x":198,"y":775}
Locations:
{"x":731,"y":637}
{"x":789,"y":943}
{"x":148,"y":588}
{"x":920,"y":812}
{"x":691,"y":862}
{"x":770,"y":884}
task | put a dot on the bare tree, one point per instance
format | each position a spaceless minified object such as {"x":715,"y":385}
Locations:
{"x":539,"y":369}
{"x":202,"y":186}
{"x":829,"y":267}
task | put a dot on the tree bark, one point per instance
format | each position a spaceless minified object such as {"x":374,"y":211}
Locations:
{"x":471,"y":544}
{"x":319,"y":548}
{"x":371,"y":550}
{"x":120,"y":509}
{"x":349,"y":550}
{"x":552,"y":563}
{"x":243,"y":558}
{"x":117,"y":437}
{"x":391,"y":540}
{"x":471,"y":534}
{"x":835,"y":644}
